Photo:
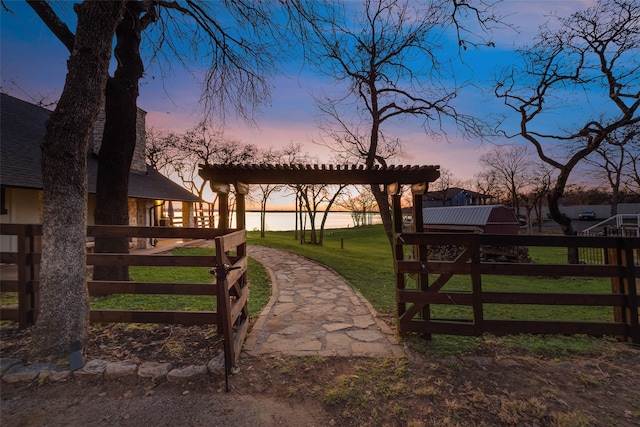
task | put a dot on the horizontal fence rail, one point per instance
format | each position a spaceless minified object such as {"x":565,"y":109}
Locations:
{"x":415,"y":302}
{"x":230,"y":312}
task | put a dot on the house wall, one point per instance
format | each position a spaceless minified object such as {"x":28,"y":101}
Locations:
{"x":138,"y":162}
{"x":433,"y":204}
{"x":138,"y":216}
{"x":462,"y":198}
{"x":23,"y":207}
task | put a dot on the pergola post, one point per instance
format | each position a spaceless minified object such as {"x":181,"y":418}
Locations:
{"x":420,"y":251}
{"x":242,"y":190}
{"x":222,"y":190}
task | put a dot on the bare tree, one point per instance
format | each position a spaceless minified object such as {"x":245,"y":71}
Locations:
{"x":63,"y":316}
{"x":316,"y":198}
{"x":162,"y":150}
{"x":486,"y":183}
{"x":361,"y":205}
{"x":373,"y":53}
{"x":264,"y":191}
{"x":119,"y":137}
{"x":120,"y":134}
{"x":202,"y":145}
{"x":293,"y":154}
{"x":511,"y":166}
{"x":614,"y":157}
{"x":593,"y":53}
{"x":441,"y":186}
{"x":539,"y":183}
{"x":632,"y":182}
{"x":239,"y":39}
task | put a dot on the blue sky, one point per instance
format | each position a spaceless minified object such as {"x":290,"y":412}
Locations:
{"x":33,"y":67}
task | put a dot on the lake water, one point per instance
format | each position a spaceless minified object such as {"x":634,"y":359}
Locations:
{"x":284,"y":221}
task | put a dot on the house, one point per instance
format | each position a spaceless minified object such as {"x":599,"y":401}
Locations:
{"x":454,"y":196}
{"x":22,"y":131}
{"x":489,"y":219}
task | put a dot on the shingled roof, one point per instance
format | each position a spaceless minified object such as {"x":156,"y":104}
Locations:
{"x":450,"y":192}
{"x":22,"y":131}
{"x":318,"y":174}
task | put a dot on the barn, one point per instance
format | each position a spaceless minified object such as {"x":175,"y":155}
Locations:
{"x":488,"y":219}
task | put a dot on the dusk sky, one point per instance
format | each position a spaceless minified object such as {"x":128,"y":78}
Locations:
{"x":33,"y":67}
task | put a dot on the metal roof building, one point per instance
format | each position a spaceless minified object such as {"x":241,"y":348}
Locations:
{"x":489,"y":219}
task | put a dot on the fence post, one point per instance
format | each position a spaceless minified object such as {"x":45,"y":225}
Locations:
{"x":398,"y":249}
{"x":422,"y":255}
{"x":614,"y":257}
{"x":476,"y":282}
{"x":630,"y":291}
{"x":224,"y":305}
{"x":34,"y":245}
{"x":625,"y":284}
{"x":23,"y":301}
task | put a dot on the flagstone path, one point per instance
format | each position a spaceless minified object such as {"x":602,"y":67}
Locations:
{"x":313,"y":312}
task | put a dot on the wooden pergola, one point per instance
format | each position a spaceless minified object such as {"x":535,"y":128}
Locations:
{"x":221,"y":177}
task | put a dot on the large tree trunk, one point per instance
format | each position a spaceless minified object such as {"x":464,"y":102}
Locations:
{"x":118,"y":143}
{"x":62,"y":323}
{"x":382,"y":198}
{"x":559,"y":217}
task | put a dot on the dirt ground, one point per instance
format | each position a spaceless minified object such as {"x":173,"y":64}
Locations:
{"x":494,"y":386}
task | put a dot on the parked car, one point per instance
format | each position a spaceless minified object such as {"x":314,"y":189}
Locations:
{"x":587,"y":216}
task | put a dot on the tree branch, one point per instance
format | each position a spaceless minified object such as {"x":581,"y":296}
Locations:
{"x":55,"y":24}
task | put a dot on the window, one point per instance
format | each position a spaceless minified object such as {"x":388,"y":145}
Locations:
{"x":3,"y":201}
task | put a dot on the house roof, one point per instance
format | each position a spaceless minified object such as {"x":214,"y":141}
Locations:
{"x":22,"y":131}
{"x":466,"y":215}
{"x":450,"y":193}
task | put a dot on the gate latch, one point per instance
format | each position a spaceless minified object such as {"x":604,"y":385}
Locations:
{"x":222,"y":270}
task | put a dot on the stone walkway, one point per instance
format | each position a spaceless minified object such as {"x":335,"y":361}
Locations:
{"x":313,"y":312}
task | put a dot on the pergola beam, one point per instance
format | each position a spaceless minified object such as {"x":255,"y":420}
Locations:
{"x":318,"y":174}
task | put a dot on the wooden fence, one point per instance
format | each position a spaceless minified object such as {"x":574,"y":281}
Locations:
{"x":414,"y":303}
{"x":229,"y":265}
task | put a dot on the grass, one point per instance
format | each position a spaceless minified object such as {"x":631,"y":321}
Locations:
{"x":363,"y":257}
{"x":365,"y":262}
{"x":257,"y":276}
{"x":359,"y":391}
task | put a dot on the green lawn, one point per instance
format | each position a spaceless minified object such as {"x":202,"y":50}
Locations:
{"x":258,"y":284}
{"x":363,"y":257}
{"x":365,"y":261}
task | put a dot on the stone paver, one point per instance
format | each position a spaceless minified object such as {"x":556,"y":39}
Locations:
{"x":313,"y":311}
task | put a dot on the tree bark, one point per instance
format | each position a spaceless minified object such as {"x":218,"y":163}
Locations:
{"x":118,"y":142}
{"x":62,"y":322}
{"x":382,"y":198}
{"x":561,"y":218}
